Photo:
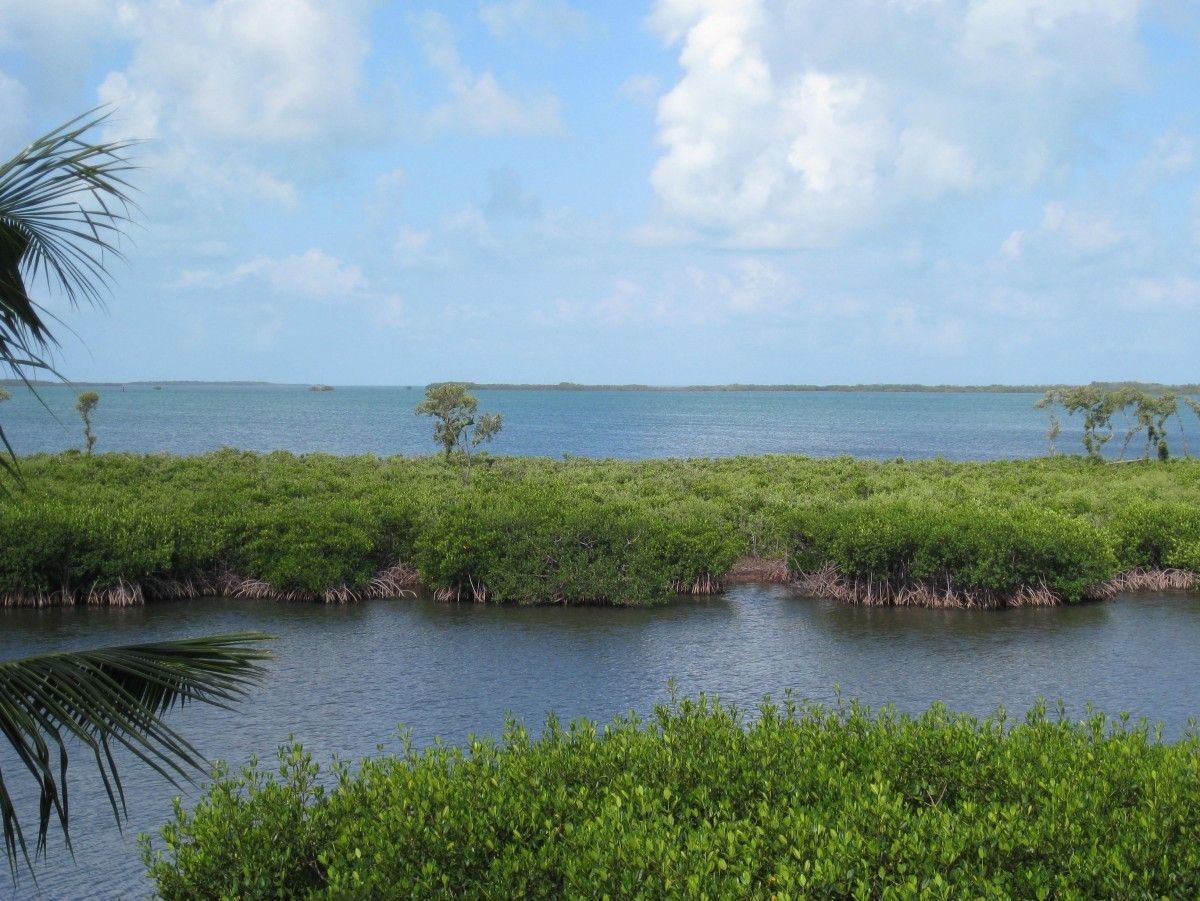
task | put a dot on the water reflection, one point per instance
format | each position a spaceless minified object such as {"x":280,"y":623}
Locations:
{"x":344,"y":677}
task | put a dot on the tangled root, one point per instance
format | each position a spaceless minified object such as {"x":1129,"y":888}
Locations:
{"x":705,"y":583}
{"x":395,"y":581}
{"x":1155,"y":580}
{"x":830,"y":582}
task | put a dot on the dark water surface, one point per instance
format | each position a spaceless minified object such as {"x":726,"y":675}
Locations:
{"x":344,"y":677}
{"x":626,"y":424}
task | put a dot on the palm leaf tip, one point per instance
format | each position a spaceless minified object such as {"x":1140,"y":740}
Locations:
{"x":65,"y":205}
{"x":93,"y":698}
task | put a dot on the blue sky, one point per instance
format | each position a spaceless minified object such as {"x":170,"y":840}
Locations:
{"x":682,"y":191}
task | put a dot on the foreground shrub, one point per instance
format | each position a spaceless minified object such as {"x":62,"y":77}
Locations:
{"x":803,"y":801}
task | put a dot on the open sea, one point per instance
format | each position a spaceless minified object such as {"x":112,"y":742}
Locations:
{"x":191,"y":419}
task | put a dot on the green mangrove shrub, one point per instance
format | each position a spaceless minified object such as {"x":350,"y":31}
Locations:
{"x":799,"y":801}
{"x":575,"y":531}
{"x":49,"y":547}
{"x":1144,"y":536}
{"x":893,"y":546}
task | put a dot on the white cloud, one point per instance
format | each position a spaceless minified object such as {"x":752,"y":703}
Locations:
{"x":312,"y":274}
{"x":1039,"y":45}
{"x":202,"y":179}
{"x":478,"y":104}
{"x":798,"y":124}
{"x":253,"y":71}
{"x":550,"y":21}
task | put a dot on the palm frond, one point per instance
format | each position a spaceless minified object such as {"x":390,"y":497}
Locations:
{"x":94,"y":698}
{"x":64,"y":206}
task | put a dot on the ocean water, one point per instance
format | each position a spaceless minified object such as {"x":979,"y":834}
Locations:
{"x":623,"y":424}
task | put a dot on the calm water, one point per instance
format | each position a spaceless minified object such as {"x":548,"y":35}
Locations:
{"x":344,"y":676}
{"x":628,"y":424}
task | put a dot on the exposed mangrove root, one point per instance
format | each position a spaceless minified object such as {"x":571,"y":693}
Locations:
{"x":757,"y":569}
{"x":123,"y":594}
{"x":472,"y":591}
{"x":60,"y":598}
{"x":395,"y":581}
{"x":705,"y":583}
{"x":1155,"y":580}
{"x":830,"y":582}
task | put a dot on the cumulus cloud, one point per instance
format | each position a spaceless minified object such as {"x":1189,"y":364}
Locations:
{"x":798,"y":124}
{"x":477,"y":103}
{"x":253,"y":71}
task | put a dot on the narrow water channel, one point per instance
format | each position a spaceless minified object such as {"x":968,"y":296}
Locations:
{"x":344,"y":677}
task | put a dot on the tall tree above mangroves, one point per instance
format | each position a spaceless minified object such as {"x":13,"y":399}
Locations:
{"x":455,"y":427}
{"x":85,"y":405}
{"x":1097,"y":406}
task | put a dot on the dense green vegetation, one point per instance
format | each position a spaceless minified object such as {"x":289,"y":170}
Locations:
{"x":531,"y":530}
{"x":804,"y":801}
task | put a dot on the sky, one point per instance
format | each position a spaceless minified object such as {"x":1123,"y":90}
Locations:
{"x":671,"y":192}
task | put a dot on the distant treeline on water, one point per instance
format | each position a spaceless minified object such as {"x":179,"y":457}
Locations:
{"x":1150,"y":387}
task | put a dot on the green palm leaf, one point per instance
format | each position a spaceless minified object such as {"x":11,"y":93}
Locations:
{"x":64,"y":205}
{"x":92,"y":699}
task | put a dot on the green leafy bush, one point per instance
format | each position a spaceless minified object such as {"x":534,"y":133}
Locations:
{"x":530,"y":530}
{"x":803,"y":801}
{"x":1143,"y":535}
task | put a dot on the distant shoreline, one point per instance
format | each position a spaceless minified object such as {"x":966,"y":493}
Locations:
{"x":49,"y":383}
{"x":575,"y":386}
{"x":864,"y":388}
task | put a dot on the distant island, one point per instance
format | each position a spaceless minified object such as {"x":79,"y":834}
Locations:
{"x":1151,"y":387}
{"x":154,"y":383}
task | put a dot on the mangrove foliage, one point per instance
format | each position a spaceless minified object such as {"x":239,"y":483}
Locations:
{"x":120,"y":528}
{"x":804,"y":801}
